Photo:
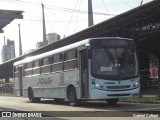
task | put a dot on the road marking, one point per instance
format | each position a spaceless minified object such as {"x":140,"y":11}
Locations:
{"x":158,"y":108}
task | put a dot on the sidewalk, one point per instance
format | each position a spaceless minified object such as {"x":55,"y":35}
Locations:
{"x":152,"y":100}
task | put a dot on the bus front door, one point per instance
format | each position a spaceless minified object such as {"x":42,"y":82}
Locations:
{"x":84,"y":74}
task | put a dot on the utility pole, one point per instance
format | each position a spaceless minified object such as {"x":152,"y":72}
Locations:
{"x":44,"y":27}
{"x":4,"y":40}
{"x":90,"y":13}
{"x":159,"y":78}
{"x":20,"y":43}
{"x":141,"y":3}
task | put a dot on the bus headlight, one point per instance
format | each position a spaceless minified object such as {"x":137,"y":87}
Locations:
{"x":137,"y":84}
{"x":98,"y":86}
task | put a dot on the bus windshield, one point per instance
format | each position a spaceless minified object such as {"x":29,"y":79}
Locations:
{"x":114,"y":62}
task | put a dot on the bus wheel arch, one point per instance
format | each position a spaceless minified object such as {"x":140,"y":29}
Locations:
{"x":71,"y":95}
{"x":31,"y":95}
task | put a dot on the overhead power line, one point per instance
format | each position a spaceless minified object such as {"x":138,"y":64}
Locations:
{"x":127,"y":3}
{"x":79,"y":11}
{"x":105,"y":6}
{"x":59,"y":20}
{"x":77,"y":16}
{"x":22,"y":2}
{"x":71,"y":17}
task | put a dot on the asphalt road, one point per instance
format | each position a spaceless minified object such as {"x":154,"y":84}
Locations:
{"x":86,"y":110}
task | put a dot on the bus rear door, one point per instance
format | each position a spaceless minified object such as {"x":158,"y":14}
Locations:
{"x":20,"y":77}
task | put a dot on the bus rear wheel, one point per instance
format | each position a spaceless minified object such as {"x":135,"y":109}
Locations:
{"x":58,"y":100}
{"x":31,"y":96}
{"x":112,"y":101}
{"x":72,"y":97}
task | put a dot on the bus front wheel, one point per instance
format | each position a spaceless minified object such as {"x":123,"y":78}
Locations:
{"x":112,"y":101}
{"x":31,"y":96}
{"x":72,"y":97}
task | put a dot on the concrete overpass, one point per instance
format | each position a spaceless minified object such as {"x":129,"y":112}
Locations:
{"x":141,"y":23}
{"x":6,"y":17}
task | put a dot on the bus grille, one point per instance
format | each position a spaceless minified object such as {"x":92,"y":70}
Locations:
{"x":118,"y":87}
{"x":118,"y":95}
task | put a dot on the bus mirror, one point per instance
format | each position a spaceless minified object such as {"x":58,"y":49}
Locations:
{"x":87,"y":45}
{"x":89,"y":54}
{"x":84,"y":47}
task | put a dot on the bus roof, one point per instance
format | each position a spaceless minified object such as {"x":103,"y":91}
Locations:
{"x":62,"y":49}
{"x":46,"y":54}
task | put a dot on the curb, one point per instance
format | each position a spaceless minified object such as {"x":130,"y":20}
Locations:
{"x":150,"y":102}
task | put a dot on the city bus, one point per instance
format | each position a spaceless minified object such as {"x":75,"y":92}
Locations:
{"x":104,"y":68}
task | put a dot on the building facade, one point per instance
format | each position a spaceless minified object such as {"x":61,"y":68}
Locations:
{"x":8,"y":50}
{"x":39,"y":45}
{"x":52,"y":37}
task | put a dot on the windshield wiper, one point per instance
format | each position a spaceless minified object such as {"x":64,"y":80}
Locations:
{"x":110,"y":56}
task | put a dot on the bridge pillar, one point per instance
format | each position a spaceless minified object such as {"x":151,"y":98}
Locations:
{"x":6,"y":78}
{"x":144,"y":70}
{"x":159,"y":77}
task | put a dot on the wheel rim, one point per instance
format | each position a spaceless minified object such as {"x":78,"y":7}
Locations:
{"x":71,"y":97}
{"x":30,"y":95}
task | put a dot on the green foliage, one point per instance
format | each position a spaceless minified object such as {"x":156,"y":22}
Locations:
{"x":1,"y":82}
{"x":143,"y":100}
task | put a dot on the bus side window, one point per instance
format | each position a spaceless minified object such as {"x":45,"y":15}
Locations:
{"x":70,"y":59}
{"x":45,"y":65}
{"x":28,"y":69}
{"x":69,"y":55}
{"x":57,"y":58}
{"x":45,"y":61}
{"x":28,"y":65}
{"x":36,"y":67}
{"x":57,"y":63}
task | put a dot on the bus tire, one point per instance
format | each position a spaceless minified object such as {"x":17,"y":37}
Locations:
{"x":31,"y":96}
{"x":72,"y":97}
{"x":112,"y":101}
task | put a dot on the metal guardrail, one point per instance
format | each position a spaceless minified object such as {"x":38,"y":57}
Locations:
{"x":149,"y":81}
{"x":7,"y":88}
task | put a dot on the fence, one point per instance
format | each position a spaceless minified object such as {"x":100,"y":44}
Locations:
{"x":7,"y":88}
{"x":149,"y":81}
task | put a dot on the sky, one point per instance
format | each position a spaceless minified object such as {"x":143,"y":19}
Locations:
{"x":64,"y":17}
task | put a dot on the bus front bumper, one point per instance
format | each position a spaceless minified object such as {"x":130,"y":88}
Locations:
{"x":103,"y":94}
